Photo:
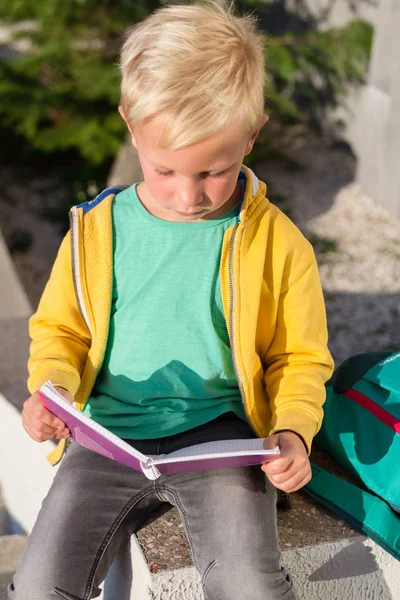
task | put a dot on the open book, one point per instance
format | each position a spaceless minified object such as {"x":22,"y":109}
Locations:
{"x":210,"y":455}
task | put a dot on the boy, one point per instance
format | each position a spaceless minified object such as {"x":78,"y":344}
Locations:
{"x":183,"y":309}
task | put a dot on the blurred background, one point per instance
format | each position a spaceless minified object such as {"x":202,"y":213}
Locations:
{"x":329,"y":154}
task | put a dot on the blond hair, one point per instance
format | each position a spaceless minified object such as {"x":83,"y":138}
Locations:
{"x":199,"y":67}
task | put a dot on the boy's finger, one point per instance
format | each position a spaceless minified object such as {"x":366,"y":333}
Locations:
{"x":37,"y":435}
{"x":280,"y":465}
{"x":287,"y":484}
{"x":41,"y":428}
{"x":294,"y":472}
{"x":46,"y":423}
{"x":63,"y":435}
{"x":41,"y":432}
{"x":293,"y":484}
{"x":43,"y":415}
{"x":271,"y":442}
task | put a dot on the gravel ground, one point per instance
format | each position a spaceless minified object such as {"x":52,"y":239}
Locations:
{"x":357,"y":244}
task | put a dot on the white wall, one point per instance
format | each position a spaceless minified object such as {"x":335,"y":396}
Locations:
{"x":336,"y":13}
{"x":376,"y":134}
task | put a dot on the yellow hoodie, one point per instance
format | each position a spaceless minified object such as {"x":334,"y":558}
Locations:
{"x":272,"y":300}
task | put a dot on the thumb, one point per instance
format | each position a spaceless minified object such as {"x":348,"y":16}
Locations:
{"x":271,"y":442}
{"x":65,"y":393}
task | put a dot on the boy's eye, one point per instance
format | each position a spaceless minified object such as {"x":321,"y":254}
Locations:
{"x":205,"y":174}
{"x":216,"y":174}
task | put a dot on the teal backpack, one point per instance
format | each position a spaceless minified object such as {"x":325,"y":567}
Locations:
{"x":361,"y":430}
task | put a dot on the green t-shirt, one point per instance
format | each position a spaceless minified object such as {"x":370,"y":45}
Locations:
{"x":168,"y":365}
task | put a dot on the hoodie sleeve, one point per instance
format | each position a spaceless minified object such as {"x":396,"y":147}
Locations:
{"x":298,"y":362}
{"x":60,"y":337}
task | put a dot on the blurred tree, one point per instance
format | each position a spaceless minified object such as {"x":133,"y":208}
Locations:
{"x":62,"y":93}
{"x":308,"y":69}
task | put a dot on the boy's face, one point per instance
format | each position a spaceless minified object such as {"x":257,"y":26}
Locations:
{"x":195,"y":183}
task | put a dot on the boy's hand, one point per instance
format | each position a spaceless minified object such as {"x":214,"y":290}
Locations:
{"x":39,"y":423}
{"x":292,"y":470}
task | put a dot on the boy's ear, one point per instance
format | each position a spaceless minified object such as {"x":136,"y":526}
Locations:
{"x":250,"y":143}
{"x":123,"y":115}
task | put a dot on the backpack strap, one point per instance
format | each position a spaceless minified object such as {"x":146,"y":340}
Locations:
{"x":361,"y":509}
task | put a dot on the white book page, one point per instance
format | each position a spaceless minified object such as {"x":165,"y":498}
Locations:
{"x":217,"y":449}
{"x":49,"y":390}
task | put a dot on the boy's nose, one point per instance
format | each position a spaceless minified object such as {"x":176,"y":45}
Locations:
{"x":189,"y":197}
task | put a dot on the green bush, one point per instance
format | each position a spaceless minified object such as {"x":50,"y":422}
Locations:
{"x":62,"y":94}
{"x":310,"y":71}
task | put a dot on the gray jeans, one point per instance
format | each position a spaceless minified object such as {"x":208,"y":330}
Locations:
{"x":95,"y":505}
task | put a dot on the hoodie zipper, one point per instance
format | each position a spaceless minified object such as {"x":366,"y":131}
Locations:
{"x":73,"y":219}
{"x":231,"y":309}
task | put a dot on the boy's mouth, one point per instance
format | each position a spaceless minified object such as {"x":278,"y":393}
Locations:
{"x":192,"y":214}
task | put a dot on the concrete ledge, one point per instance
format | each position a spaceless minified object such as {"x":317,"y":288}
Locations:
{"x":13,"y":300}
{"x":354,"y":569}
{"x":11,"y":548}
{"x":25,"y":475}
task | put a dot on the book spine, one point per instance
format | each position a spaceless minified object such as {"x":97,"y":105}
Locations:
{"x":149,"y":469}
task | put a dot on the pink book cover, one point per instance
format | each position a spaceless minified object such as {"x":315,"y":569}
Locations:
{"x":210,"y":455}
